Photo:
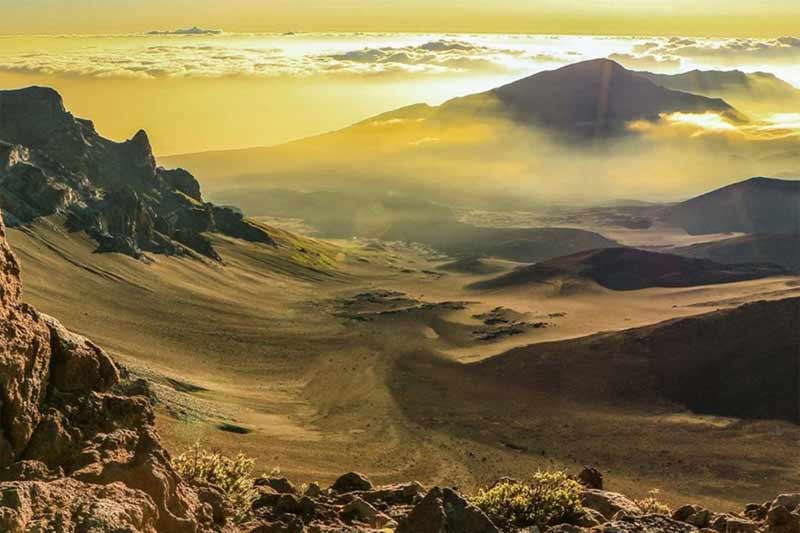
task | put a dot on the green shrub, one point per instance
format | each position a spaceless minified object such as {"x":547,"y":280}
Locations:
{"x":651,"y":505}
{"x":232,"y":475}
{"x":550,"y":498}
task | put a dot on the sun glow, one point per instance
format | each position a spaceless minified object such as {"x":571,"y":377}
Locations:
{"x":706,"y":121}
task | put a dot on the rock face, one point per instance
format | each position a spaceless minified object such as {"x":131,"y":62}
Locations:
{"x":75,"y":452}
{"x":52,"y":162}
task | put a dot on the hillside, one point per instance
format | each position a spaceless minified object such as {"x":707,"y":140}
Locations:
{"x":756,"y":205}
{"x":780,"y":249}
{"x":739,"y":363}
{"x":629,"y":269}
{"x":53,"y":163}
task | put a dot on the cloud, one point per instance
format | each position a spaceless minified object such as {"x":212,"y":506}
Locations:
{"x":187,"y":31}
{"x":781,"y":49}
{"x":647,"y":61}
{"x":158,"y":61}
{"x":220,"y":59}
{"x":443,"y":55}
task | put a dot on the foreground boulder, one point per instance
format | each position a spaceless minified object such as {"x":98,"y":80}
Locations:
{"x":76,"y":454}
{"x":445,"y":511}
{"x":351,"y":482}
{"x":608,"y":503}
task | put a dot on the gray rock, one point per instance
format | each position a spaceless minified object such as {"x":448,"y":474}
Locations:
{"x":445,"y":511}
{"x":351,"y":482}
{"x":645,"y":524}
{"x":608,"y":503}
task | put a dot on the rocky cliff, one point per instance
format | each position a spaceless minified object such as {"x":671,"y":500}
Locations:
{"x":78,"y":451}
{"x":52,"y":162}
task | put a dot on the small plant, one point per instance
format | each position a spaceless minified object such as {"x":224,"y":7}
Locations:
{"x":651,"y":505}
{"x":550,"y":498}
{"x":232,"y":475}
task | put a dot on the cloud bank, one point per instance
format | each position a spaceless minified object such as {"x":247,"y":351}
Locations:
{"x":781,"y":50}
{"x":210,"y":53}
{"x":218,"y":59}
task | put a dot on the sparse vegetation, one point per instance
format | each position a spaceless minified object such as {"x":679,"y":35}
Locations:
{"x":550,"y":498}
{"x":232,"y":475}
{"x":651,"y":504}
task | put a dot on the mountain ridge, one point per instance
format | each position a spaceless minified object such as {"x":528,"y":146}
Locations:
{"x":52,"y":162}
{"x":726,"y":83}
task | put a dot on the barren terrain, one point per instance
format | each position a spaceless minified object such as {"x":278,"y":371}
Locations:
{"x":318,"y":357}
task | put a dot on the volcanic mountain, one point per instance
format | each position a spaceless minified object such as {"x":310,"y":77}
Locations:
{"x":487,"y":133}
{"x":756,"y":205}
{"x":52,"y":162}
{"x":593,"y":98}
{"x":630,"y":269}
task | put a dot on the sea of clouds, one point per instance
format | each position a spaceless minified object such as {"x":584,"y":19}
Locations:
{"x":211,"y":53}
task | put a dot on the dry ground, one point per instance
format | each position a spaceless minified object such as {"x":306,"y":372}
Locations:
{"x":257,"y":356}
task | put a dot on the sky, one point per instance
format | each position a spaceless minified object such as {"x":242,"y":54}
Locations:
{"x":756,"y":18}
{"x":198,"y":75}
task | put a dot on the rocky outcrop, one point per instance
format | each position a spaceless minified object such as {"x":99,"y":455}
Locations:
{"x":353,"y":504}
{"x":52,"y":162}
{"x":76,"y":453}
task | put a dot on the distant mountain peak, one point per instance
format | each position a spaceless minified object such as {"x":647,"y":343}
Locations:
{"x":595,"y":98}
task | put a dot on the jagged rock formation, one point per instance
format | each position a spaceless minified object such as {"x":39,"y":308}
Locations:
{"x":78,"y":450}
{"x":52,"y":162}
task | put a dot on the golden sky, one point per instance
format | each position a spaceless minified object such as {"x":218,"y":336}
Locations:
{"x":253,"y":84}
{"x":621,"y":17}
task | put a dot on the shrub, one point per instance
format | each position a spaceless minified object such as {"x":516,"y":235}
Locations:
{"x":232,"y":475}
{"x":651,"y":505}
{"x":550,"y":498}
